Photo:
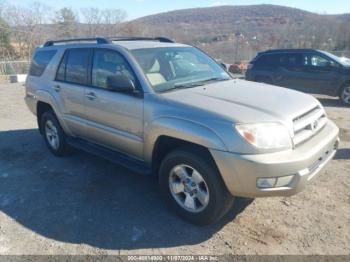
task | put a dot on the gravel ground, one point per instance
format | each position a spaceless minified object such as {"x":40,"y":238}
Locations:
{"x":85,"y":205}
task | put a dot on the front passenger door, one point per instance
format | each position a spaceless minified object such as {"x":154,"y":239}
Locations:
{"x":320,"y":74}
{"x":114,"y":119}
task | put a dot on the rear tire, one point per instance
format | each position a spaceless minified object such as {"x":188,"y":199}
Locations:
{"x":54,"y":135}
{"x":345,"y":94}
{"x":201,"y":196}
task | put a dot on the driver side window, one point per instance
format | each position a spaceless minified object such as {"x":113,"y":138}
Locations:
{"x":107,"y":63}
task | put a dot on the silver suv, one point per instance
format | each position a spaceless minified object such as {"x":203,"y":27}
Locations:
{"x":170,"y":110}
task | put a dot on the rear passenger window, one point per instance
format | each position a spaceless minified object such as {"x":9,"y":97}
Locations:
{"x":40,"y":61}
{"x":291,"y":62}
{"x":76,"y":66}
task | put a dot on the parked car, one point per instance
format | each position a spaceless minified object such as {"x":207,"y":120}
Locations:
{"x":168,"y":109}
{"x":307,"y":70}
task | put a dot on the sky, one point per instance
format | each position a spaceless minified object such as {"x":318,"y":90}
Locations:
{"x":139,"y":8}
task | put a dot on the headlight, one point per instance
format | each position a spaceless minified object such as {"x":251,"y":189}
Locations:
{"x":265,"y":135}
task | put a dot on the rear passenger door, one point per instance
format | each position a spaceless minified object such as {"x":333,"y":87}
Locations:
{"x":288,"y":70}
{"x":70,"y":82}
{"x":114,"y":119}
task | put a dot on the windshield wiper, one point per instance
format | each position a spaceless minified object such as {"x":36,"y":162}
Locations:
{"x":188,"y":85}
{"x":214,"y":79}
{"x":200,"y":83}
{"x":182,"y":86}
{"x":194,"y":84}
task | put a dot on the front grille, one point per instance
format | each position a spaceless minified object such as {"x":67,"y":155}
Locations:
{"x":308,"y":124}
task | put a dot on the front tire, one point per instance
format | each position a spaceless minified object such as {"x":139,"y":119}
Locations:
{"x":192,"y":186}
{"x":345,"y":94}
{"x":54,"y":135}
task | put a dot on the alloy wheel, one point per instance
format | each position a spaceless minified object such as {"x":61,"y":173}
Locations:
{"x":345,"y":96}
{"x":189,"y":188}
{"x":51,"y":134}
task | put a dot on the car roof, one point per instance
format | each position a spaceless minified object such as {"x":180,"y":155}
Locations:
{"x":272,"y":51}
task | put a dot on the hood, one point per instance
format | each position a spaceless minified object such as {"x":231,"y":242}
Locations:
{"x":247,"y":102}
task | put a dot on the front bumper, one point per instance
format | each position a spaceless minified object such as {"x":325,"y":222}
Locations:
{"x":241,"y":172}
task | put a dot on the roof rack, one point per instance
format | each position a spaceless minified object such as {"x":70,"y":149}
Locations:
{"x":99,"y":40}
{"x":140,"y":38}
{"x":108,"y":40}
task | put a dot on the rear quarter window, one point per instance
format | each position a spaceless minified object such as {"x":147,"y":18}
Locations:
{"x":40,"y":61}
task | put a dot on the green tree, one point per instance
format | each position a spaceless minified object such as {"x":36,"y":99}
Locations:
{"x":6,"y":50}
{"x":66,"y":23}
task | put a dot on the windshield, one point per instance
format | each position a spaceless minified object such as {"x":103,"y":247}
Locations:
{"x":343,"y":61}
{"x":178,"y":67}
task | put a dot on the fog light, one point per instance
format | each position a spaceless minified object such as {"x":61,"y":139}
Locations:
{"x":266,"y":182}
{"x":284,"y":181}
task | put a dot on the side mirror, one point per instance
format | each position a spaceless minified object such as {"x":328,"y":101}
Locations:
{"x":120,"y":83}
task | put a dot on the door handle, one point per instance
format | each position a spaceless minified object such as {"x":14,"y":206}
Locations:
{"x":57,"y":88}
{"x":91,"y":96}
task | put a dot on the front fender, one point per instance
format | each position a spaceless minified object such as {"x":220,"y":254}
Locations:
{"x":178,"y":128}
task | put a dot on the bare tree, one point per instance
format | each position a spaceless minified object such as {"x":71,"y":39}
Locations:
{"x":102,"y":22}
{"x":112,"y":18}
{"x":26,"y":26}
{"x":6,"y":50}
{"x":93,"y":18}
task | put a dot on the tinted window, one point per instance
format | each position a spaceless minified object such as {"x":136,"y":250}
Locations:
{"x":291,"y":62}
{"x":267,"y":61}
{"x":61,"y":72}
{"x":40,"y":61}
{"x":77,"y":66}
{"x":107,"y":63}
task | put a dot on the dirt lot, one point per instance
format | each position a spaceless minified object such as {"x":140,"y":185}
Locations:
{"x":85,"y":205}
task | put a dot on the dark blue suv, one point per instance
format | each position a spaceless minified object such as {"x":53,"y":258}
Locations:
{"x":306,"y":70}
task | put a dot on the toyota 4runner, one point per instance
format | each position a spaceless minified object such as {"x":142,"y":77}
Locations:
{"x":169,"y":109}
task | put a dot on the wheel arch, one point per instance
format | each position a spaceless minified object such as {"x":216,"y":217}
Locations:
{"x":167,"y":134}
{"x":41,"y":108}
{"x":45,"y":101}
